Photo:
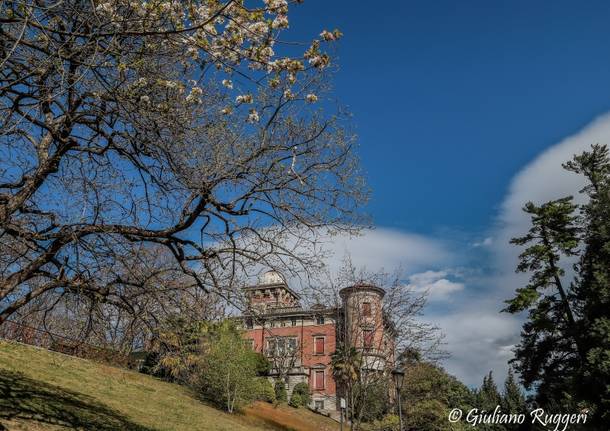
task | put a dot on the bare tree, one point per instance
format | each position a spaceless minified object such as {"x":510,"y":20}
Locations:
{"x":381,"y":319}
{"x":154,"y":290}
{"x":283,"y":355}
{"x":126,"y":125}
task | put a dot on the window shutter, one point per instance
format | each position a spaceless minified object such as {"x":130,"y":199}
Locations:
{"x":368,"y":338}
{"x":319,"y":347}
{"x":319,"y":380}
{"x":366,"y":309}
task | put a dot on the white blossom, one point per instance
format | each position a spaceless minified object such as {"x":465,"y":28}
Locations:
{"x":107,"y":8}
{"x":274,"y":82}
{"x":253,"y":116}
{"x":280,"y":21}
{"x":327,"y":35}
{"x":319,"y":61}
{"x":311,"y":98}
{"x":210,"y":29}
{"x":259,"y":28}
{"x":170,"y":84}
{"x":192,"y":52}
{"x":194,"y":95}
{"x":227,"y":83}
{"x":244,"y":98}
{"x":288,"y":94}
{"x":277,"y":6}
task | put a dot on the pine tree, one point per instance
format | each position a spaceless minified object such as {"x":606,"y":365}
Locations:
{"x":513,"y":400}
{"x":592,"y":284}
{"x":551,"y":330}
{"x":488,"y":396}
{"x":487,"y":399}
{"x":565,"y":343}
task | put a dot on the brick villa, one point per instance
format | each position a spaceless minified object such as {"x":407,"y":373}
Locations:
{"x":299,"y":342}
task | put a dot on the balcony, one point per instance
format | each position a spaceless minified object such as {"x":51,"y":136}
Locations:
{"x":374,"y":359}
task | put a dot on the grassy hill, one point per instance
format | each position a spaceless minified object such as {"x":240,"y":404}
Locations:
{"x":47,"y":391}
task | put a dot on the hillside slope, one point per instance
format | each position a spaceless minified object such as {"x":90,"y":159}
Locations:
{"x":46,"y":391}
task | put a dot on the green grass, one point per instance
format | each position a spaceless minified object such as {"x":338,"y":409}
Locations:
{"x":48,"y":391}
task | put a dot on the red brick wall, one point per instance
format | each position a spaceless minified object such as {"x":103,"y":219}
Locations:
{"x":329,"y":332}
{"x":305,"y":335}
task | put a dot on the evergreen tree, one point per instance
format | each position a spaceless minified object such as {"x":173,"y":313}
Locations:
{"x":548,"y":355}
{"x":565,"y":346}
{"x":487,"y":399}
{"x":488,"y":396}
{"x":592,"y":284}
{"x":513,"y":401}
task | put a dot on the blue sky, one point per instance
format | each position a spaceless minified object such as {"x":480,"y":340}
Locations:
{"x":450,"y":99}
{"x":464,"y":111}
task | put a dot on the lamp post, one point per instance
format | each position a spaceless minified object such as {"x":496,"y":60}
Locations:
{"x":343,"y":405}
{"x":399,"y":376}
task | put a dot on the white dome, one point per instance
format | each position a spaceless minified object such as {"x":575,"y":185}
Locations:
{"x":271,"y":277}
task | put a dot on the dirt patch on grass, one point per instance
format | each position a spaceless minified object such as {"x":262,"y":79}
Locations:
{"x":27,"y":425}
{"x":288,"y":418}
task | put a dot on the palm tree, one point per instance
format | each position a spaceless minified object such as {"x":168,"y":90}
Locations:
{"x":346,"y":363}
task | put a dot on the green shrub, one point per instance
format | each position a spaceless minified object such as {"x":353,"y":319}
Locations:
{"x":303,"y":390}
{"x":281,"y":396}
{"x":387,"y":423}
{"x":263,"y":366}
{"x":372,"y":400}
{"x":266,"y":392}
{"x":227,"y":375}
{"x":296,"y":401}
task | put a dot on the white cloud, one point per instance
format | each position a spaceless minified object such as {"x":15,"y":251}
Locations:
{"x":484,"y":243}
{"x":388,"y":249}
{"x":542,"y":180}
{"x":475,"y":333}
{"x":479,"y":337}
{"x":435,"y":284}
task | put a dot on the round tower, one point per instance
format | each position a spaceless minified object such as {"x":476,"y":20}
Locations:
{"x":364,"y":324}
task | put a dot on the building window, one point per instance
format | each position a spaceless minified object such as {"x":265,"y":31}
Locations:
{"x":367,"y":335}
{"x":319,"y":380}
{"x":294,"y":321}
{"x":280,"y":346}
{"x":249,"y":323}
{"x":250,"y":343}
{"x":319,"y":404}
{"x":318,"y":345}
{"x":286,"y":345}
{"x":283,"y":323}
{"x":271,"y":346}
{"x":366,"y":309}
{"x":320,"y":320}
